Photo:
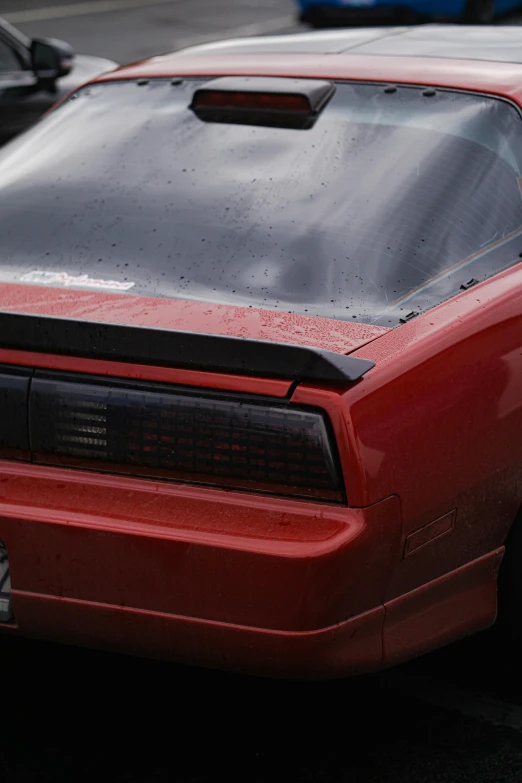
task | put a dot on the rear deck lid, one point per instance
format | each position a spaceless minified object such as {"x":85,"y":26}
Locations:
{"x":194,"y":335}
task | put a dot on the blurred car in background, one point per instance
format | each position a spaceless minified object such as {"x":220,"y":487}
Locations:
{"x":334,"y":13}
{"x":34,"y":74}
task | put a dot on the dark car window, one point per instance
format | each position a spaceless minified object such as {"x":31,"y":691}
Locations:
{"x":387,"y":205}
{"x":9,"y":61}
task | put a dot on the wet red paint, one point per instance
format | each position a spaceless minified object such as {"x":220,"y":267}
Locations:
{"x":188,"y":316}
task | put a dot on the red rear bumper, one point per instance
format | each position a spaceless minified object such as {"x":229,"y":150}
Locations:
{"x":224,"y":579}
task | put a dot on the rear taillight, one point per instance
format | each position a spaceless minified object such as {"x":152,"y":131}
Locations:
{"x":148,"y":430}
{"x":14,"y":397}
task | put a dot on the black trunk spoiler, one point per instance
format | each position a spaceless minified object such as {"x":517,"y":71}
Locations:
{"x":184,"y":350}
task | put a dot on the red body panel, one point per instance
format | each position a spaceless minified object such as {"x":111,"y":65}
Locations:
{"x":431,"y":455}
{"x":350,"y":647}
{"x":503,"y":79}
{"x":439,"y":421}
{"x":180,"y":550}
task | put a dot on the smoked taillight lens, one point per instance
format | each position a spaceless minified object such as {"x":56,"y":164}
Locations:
{"x":152,"y":431}
{"x":14,"y":397}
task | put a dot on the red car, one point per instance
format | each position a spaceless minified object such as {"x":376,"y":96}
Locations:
{"x":261,"y":347}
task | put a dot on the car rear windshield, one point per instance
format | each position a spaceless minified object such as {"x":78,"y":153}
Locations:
{"x":387,"y":205}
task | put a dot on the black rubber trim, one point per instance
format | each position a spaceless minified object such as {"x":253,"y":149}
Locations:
{"x":186,"y":350}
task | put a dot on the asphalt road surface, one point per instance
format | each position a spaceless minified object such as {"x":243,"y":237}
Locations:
{"x":72,"y":716}
{"x":125,"y":30}
{"x":78,"y":716}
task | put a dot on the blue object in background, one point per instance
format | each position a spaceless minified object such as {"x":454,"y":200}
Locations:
{"x":325,"y":13}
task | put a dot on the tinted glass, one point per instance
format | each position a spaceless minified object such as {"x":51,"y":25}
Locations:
{"x":387,"y":205}
{"x":8,"y":60}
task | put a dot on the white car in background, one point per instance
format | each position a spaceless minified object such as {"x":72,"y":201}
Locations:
{"x":34,"y":74}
